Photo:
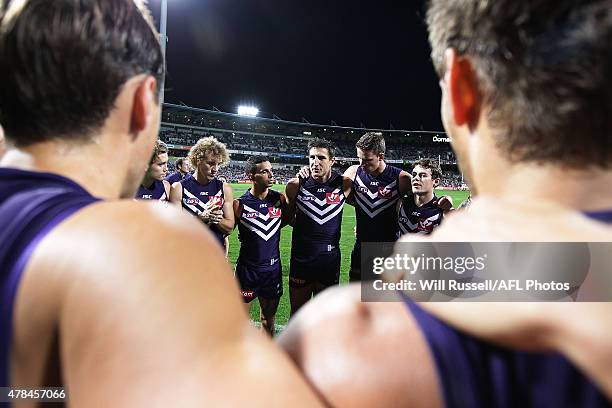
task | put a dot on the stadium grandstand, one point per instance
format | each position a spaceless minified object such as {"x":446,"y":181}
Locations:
{"x":285,"y":142}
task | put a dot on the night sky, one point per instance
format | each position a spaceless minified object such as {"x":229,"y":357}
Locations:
{"x":354,"y":62}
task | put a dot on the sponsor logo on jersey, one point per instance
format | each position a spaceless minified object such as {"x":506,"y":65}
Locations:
{"x":217,"y":200}
{"x":416,"y":213}
{"x":247,"y":293}
{"x":204,"y":193}
{"x":191,"y":201}
{"x":403,"y":219}
{"x":362,"y":189}
{"x":332,"y":198}
{"x":307,"y":198}
{"x":374,"y":183}
{"x":251,"y":214}
{"x":425,"y":225}
{"x":263,"y":205}
{"x":147,"y":196}
{"x":321,"y":190}
{"x":384,"y":192}
{"x":274,"y":212}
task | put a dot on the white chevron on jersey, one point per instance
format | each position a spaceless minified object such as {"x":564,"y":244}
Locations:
{"x":193,"y":207}
{"x":200,"y":203}
{"x":374,"y":213}
{"x":258,"y":223}
{"x":315,"y":199}
{"x":321,"y":211}
{"x":276,"y":223}
{"x":412,"y":227}
{"x":265,"y":217}
{"x":316,"y":218}
{"x":370,"y":194}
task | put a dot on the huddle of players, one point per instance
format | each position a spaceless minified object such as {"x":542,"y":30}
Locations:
{"x":388,"y":202}
{"x":504,"y":68}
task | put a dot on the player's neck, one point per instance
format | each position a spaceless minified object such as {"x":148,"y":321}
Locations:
{"x":381,"y":168}
{"x":422,"y":199}
{"x":584,"y":190}
{"x":201,"y":178}
{"x":86,"y":163}
{"x":148,"y":182}
{"x":323,"y":178}
{"x":259,"y":193}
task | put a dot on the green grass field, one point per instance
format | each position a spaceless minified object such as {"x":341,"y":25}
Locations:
{"x":347,"y":241}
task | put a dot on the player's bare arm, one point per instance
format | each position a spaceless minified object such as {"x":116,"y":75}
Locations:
{"x":405,"y":183}
{"x":237,"y":212}
{"x":291,"y":192}
{"x":148,"y":339}
{"x":176,"y":194}
{"x":347,"y":189}
{"x":227,"y":222}
{"x":341,"y":344}
{"x":167,"y":188}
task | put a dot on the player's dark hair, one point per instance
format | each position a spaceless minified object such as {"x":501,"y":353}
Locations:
{"x":178,"y":163}
{"x":159,"y":148}
{"x":545,"y":70}
{"x":252,"y":162}
{"x":372,"y":142}
{"x":322,"y":144}
{"x":436,"y":171}
{"x":64,"y":62}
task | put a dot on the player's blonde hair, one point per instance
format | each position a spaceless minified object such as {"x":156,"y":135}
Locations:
{"x":206,"y":146}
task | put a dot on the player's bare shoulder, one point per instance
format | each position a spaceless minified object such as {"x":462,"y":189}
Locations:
{"x":351,"y":172}
{"x":491,"y":219}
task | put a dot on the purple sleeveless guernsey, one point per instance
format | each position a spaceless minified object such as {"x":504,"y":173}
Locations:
{"x":319,"y":216}
{"x":177,"y":176}
{"x":475,"y":374}
{"x":375,"y":198}
{"x":31,"y":205}
{"x":196,"y":195}
{"x":419,"y":220}
{"x":158,"y":192}
{"x":259,"y":229}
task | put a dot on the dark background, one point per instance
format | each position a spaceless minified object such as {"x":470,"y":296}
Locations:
{"x":354,"y":62}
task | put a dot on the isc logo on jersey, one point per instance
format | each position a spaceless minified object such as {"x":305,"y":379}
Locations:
{"x":147,"y":196}
{"x":332,"y":198}
{"x":384,"y":192}
{"x":216,"y":200}
{"x":191,"y":201}
{"x":274,"y":212}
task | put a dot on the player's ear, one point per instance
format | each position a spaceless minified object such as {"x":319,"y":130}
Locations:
{"x":463,"y":89}
{"x":436,"y":182}
{"x":144,"y":105}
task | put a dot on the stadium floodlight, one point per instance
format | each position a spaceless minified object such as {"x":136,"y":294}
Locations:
{"x":244,"y":110}
{"x":163,"y":38}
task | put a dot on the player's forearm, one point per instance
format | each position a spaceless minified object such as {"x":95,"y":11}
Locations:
{"x":226,"y":226}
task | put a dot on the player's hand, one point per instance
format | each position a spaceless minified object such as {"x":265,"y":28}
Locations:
{"x":304,"y":172}
{"x":216,"y":216}
{"x":445,"y":203}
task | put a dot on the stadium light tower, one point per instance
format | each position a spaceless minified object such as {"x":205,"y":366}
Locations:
{"x":163,"y":25}
{"x":251,"y":111}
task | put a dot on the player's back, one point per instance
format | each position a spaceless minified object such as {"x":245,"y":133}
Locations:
{"x":196,"y":196}
{"x":375,"y":198}
{"x":31,"y":205}
{"x":259,"y":228}
{"x":319,"y":214}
